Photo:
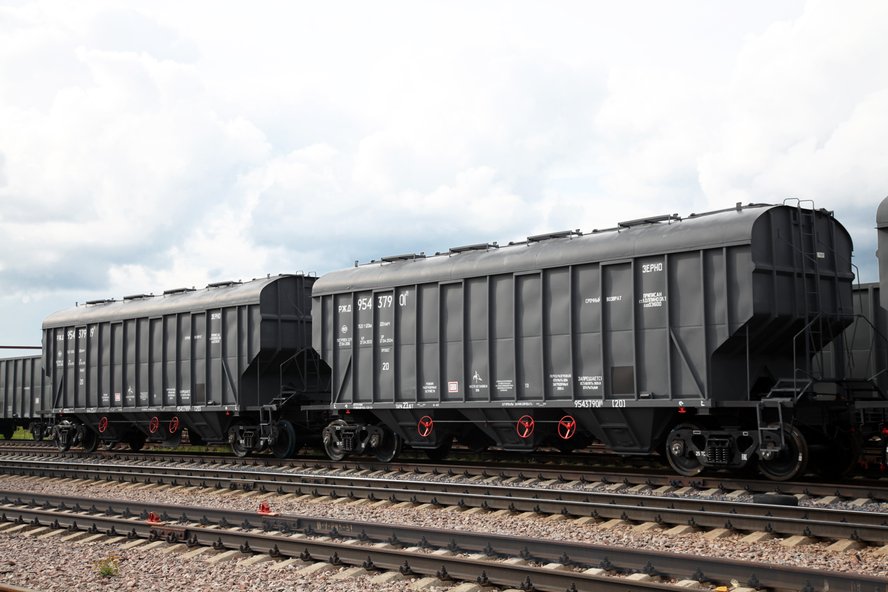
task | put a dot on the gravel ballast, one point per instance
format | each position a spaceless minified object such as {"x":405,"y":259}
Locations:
{"x":39,"y":564}
{"x":50,"y":565}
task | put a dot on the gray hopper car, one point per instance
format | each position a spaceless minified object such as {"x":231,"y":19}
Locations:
{"x":23,"y":397}
{"x":860,"y":358}
{"x":692,"y":337}
{"x":232,"y":362}
{"x":861,"y":353}
{"x":882,"y":250}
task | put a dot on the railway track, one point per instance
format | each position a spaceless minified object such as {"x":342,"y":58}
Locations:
{"x":709,"y":509}
{"x":594,"y":456}
{"x":857,"y":488}
{"x":528,"y":564}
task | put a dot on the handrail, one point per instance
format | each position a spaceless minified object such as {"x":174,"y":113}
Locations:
{"x":796,"y":369}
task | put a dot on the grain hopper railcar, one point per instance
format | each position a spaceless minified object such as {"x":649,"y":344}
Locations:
{"x":231,"y":362}
{"x":23,"y":397}
{"x":689,"y":336}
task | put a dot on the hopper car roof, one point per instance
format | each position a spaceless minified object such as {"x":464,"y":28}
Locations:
{"x":637,"y":238}
{"x":214,"y":296}
{"x":882,"y":214}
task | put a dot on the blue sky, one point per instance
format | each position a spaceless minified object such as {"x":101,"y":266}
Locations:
{"x":153,"y":145}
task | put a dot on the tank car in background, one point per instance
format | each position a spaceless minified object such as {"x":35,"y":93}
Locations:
{"x":229,"y":363}
{"x":23,"y":397}
{"x":694,"y":337}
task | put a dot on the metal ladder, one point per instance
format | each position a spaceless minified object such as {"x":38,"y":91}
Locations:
{"x":805,"y":255}
{"x":807,"y":258}
{"x":807,"y":232}
{"x":783,"y":391}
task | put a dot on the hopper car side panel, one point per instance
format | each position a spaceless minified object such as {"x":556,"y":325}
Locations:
{"x":23,"y":400}
{"x":862,"y":353}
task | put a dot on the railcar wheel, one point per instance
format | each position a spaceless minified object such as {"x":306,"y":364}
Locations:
{"x":64,"y":434}
{"x":37,"y":431}
{"x":236,"y":440}
{"x":681,"y":450}
{"x":390,"y":447}
{"x":442,"y":451}
{"x":63,"y":446}
{"x":333,"y":444}
{"x":285,"y":443}
{"x":8,"y":432}
{"x":789,"y":463}
{"x":89,"y":440}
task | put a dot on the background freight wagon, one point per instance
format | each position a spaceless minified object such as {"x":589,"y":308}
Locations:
{"x":149,"y":366}
{"x":23,"y":396}
{"x":862,"y":354}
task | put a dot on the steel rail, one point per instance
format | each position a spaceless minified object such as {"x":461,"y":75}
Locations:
{"x":826,"y":523}
{"x":875,"y":489}
{"x":285,"y":535}
{"x":408,"y":562}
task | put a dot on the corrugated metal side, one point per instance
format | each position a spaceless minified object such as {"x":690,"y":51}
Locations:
{"x":22,"y":388}
{"x":628,"y":329}
{"x":864,"y":350}
{"x":615,"y":330}
{"x":209,"y":349}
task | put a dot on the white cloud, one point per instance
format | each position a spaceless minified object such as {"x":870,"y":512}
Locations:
{"x":120,"y":164}
{"x":805,"y":108}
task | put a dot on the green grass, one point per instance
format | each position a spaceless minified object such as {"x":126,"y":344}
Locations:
{"x":109,"y":566}
{"x":22,"y":434}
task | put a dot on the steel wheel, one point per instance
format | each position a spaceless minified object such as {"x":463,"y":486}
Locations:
{"x":63,"y":434}
{"x":681,"y":450}
{"x":390,"y":447}
{"x":89,"y":440}
{"x":285,"y":442}
{"x":333,"y":444}
{"x":790,"y":462}
{"x":236,"y":439}
{"x":8,"y":432}
{"x":62,"y":446}
{"x":38,"y":431}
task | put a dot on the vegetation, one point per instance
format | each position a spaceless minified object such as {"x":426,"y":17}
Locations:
{"x":109,"y":566}
{"x":22,"y":434}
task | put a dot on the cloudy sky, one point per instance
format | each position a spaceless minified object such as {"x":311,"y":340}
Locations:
{"x":154,"y":145}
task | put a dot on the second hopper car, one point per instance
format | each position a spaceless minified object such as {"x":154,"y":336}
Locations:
{"x":231,"y":362}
